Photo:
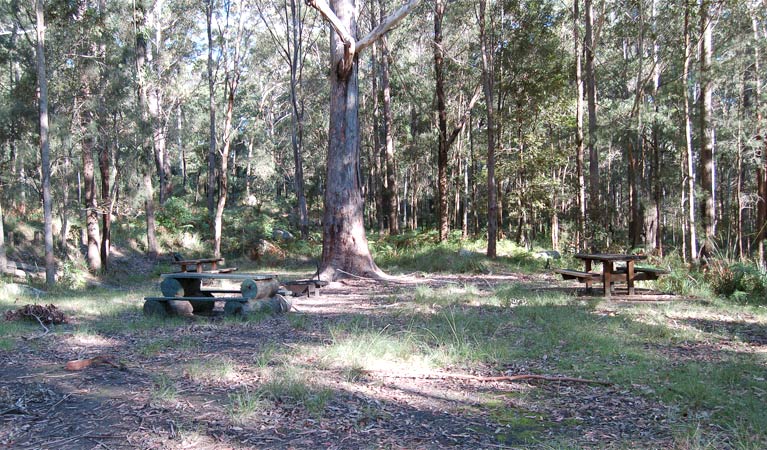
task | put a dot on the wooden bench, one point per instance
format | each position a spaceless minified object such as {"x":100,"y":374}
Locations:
{"x":645,"y":273}
{"x":583,"y":277}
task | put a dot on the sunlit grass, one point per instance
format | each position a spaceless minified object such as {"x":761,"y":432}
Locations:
{"x":217,"y":369}
{"x":164,"y":388}
{"x":293,"y":385}
{"x":244,"y":403}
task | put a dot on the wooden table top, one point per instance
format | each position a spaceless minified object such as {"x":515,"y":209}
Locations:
{"x":198,"y":261}
{"x":609,"y":257}
{"x":219,"y":276}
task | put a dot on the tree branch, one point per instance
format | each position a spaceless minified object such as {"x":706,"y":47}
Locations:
{"x":324,"y":9}
{"x":465,"y":117}
{"x":389,"y":22}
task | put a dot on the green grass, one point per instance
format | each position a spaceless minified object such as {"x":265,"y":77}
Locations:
{"x":215,"y":369}
{"x":288,"y":384}
{"x":163,"y":388}
{"x":632,"y":347}
{"x":243,"y":404}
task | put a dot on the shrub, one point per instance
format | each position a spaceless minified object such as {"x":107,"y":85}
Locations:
{"x":743,"y":282}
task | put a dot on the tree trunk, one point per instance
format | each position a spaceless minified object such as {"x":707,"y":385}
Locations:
{"x":146,"y":145}
{"x":212,"y":145}
{"x":392,"y":205}
{"x":488,"y":82}
{"x":45,"y":153}
{"x":344,"y":244}
{"x":706,"y":131}
{"x":580,"y":243}
{"x":439,"y":87}
{"x":761,"y":168}
{"x":690,"y":157}
{"x":595,"y":213}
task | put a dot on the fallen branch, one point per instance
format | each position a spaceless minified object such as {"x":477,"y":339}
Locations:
{"x":40,"y":321}
{"x":80,"y":364}
{"x":500,"y":378}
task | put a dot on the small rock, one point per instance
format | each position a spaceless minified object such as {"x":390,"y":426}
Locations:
{"x":547,"y":254}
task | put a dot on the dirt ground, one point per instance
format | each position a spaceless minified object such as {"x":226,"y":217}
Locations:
{"x":44,"y":406}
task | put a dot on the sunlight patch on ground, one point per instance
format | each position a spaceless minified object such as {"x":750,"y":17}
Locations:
{"x":88,"y":340}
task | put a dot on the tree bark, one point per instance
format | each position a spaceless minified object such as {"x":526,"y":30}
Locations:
{"x":580,"y":242}
{"x":344,"y":244}
{"x":146,"y":145}
{"x":690,"y":157}
{"x":706,"y":131}
{"x":212,"y":145}
{"x":392,"y":207}
{"x":439,"y":86}
{"x":488,"y":83}
{"x":594,"y":208}
{"x":761,"y":168}
{"x":45,"y":153}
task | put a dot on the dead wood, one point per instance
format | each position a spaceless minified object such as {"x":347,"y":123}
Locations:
{"x":520,"y":377}
{"x":46,"y":315}
{"x":80,"y":364}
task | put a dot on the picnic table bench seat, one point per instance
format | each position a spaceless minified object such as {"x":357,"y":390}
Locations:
{"x":572,"y":274}
{"x":644,"y":273}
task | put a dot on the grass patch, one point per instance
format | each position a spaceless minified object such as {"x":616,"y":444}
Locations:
{"x":244,"y":404}
{"x":292,"y":385}
{"x":163,"y":388}
{"x":212,"y":370}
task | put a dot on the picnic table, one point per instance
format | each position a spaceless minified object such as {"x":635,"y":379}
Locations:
{"x":186,"y":293}
{"x":610,"y":274}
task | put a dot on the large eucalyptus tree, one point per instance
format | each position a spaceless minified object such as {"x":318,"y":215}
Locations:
{"x":344,"y":244}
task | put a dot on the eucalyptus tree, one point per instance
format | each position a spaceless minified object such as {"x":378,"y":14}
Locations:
{"x":445,"y":139}
{"x":292,"y":36}
{"x":706,"y":130}
{"x":234,"y":37}
{"x":344,"y":244}
{"x":45,"y":153}
{"x":488,"y":84}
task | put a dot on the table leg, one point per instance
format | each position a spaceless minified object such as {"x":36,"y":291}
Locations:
{"x":630,"y":276}
{"x":607,"y":270}
{"x":588,"y":269}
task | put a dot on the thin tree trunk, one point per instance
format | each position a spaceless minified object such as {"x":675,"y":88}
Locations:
{"x":439,"y":86}
{"x":595,"y":213}
{"x":706,"y":131}
{"x":42,"y":79}
{"x":392,"y":204}
{"x":580,"y":242}
{"x":690,"y":176}
{"x":146,"y":145}
{"x":761,"y":168}
{"x":212,"y":145}
{"x":488,"y":85}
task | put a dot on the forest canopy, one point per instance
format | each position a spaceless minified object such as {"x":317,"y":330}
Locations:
{"x":574,"y":125}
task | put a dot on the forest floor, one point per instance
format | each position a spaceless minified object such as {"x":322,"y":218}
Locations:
{"x":390,"y":365}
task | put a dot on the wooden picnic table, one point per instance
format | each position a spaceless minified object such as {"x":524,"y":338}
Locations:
{"x":184,"y":292}
{"x":199,"y":264}
{"x":609,"y":272}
